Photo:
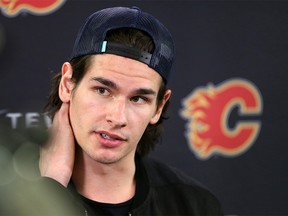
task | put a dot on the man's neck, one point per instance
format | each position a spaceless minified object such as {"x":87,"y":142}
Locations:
{"x":107,"y":183}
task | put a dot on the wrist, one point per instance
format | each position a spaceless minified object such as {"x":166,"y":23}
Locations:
{"x":62,"y":176}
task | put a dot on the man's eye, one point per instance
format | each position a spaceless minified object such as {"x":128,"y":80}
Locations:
{"x":103,"y":91}
{"x":139,"y":99}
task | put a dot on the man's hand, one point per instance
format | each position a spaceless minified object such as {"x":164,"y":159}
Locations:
{"x":57,"y":155}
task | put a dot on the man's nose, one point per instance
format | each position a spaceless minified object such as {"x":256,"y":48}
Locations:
{"x":117,"y":113}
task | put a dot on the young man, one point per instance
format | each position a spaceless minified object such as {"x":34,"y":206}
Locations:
{"x":108,"y":105}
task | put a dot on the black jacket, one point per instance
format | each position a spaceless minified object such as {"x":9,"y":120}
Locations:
{"x":160,"y":190}
{"x":171,"y":192}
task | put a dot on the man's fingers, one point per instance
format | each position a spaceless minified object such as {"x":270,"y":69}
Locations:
{"x":57,"y":155}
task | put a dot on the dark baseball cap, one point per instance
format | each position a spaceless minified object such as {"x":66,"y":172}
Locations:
{"x":91,"y":37}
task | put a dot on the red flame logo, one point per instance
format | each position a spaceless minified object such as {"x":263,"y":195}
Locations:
{"x":208,"y":110}
{"x":40,"y":7}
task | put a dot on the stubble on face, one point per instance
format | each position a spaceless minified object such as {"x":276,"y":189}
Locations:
{"x":90,"y":110}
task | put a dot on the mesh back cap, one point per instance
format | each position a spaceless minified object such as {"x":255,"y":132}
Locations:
{"x":91,"y":37}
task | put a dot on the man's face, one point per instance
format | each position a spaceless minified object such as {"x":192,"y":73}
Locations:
{"x":112,"y":105}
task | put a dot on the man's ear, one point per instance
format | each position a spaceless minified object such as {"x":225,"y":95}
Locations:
{"x":66,"y":84}
{"x":158,"y":113}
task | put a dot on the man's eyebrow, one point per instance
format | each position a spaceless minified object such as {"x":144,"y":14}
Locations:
{"x":105,"y":82}
{"x":144,"y":91}
{"x":113,"y":85}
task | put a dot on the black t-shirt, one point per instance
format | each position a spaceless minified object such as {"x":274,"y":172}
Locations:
{"x":121,"y":209}
{"x":97,"y":208}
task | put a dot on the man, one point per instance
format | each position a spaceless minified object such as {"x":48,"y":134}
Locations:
{"x":108,"y":105}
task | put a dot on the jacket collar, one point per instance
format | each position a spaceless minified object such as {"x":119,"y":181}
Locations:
{"x":142,"y":182}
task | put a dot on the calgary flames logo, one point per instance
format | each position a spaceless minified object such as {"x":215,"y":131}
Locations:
{"x":208,"y":111}
{"x":14,"y":7}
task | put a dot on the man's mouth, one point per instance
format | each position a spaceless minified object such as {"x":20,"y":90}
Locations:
{"x":105,"y":136}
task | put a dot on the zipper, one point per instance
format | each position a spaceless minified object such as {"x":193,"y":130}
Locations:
{"x":86,"y":213}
